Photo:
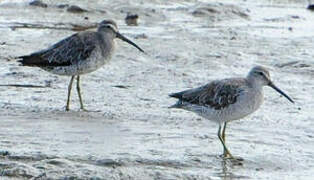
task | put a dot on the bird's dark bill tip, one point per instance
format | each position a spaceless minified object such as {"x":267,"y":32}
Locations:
{"x":120,"y":36}
{"x":281,"y":92}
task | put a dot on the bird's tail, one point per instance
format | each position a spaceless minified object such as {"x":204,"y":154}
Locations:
{"x":177,"y":105}
{"x":28,"y":60}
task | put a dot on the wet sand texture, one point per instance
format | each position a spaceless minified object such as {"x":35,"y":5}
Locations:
{"x":135,"y":136}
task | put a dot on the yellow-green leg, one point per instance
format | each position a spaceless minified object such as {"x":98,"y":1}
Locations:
{"x":67,"y":108}
{"x":224,"y":136}
{"x":79,"y":92}
{"x":226,"y":151}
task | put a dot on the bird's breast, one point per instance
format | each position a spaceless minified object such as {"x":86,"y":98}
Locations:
{"x":246,"y":104}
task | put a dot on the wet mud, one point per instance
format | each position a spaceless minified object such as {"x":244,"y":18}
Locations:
{"x":134,"y":135}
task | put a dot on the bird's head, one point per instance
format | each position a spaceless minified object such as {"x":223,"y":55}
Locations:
{"x":109,"y":26}
{"x":260,"y":76}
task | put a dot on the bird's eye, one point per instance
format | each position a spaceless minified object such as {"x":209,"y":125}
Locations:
{"x":105,"y":26}
{"x":260,"y":73}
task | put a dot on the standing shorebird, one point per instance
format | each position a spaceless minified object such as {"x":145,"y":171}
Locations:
{"x":226,"y":100}
{"x":78,"y":54}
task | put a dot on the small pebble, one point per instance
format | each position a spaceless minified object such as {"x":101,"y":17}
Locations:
{"x":311,"y":7}
{"x":76,"y":9}
{"x":38,"y":3}
{"x":131,"y":19}
{"x":63,"y":6}
{"x":295,"y":17}
{"x":4,"y":153}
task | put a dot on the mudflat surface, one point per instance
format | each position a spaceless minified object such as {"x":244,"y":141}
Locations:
{"x":134,"y":135}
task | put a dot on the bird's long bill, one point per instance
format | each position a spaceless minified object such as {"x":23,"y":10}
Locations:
{"x":120,"y":36}
{"x":280,"y":91}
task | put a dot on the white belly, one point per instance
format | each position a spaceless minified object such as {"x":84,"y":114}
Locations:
{"x":246,"y":104}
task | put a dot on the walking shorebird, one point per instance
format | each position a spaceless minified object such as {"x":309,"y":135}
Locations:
{"x":226,"y":100}
{"x":81,"y":53}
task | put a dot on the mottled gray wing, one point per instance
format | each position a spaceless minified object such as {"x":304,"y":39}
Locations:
{"x":68,"y":51}
{"x":217,"y":94}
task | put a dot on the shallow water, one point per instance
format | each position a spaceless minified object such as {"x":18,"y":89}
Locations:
{"x":135,"y":135}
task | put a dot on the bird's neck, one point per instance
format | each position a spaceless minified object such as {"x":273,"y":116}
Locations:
{"x":108,"y":35}
{"x":254,"y":83}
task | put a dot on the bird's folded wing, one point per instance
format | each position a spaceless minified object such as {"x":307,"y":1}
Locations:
{"x":73,"y":49}
{"x":217,"y":94}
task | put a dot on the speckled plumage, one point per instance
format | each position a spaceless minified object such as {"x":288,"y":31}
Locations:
{"x":81,"y":53}
{"x":221,"y":100}
{"x":229,"y":99}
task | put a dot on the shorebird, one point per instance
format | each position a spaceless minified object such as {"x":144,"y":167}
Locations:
{"x":81,"y":53}
{"x":226,"y":100}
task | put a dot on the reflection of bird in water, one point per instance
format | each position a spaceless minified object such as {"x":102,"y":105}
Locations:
{"x":226,"y":100}
{"x":78,"y":54}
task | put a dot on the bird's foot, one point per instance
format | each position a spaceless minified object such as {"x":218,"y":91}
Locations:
{"x":231,"y":160}
{"x":67,"y":108}
{"x":229,"y":156}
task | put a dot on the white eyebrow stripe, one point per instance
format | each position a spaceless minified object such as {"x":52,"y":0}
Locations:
{"x":113,"y":27}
